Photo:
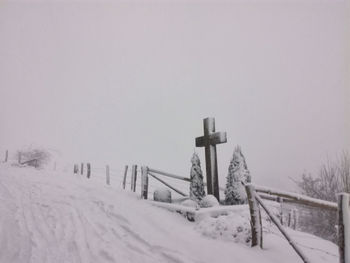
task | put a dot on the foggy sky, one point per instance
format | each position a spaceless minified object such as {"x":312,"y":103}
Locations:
{"x":124,"y":83}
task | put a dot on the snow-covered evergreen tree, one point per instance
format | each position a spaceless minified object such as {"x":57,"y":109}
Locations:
{"x":197,"y":185}
{"x":237,"y":173}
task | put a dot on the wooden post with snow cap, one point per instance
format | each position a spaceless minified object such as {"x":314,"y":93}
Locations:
{"x":6,"y":155}
{"x":344,"y":227}
{"x":88,"y":168}
{"x":108,"y":179}
{"x":255,"y":217}
{"x":125,"y":173}
{"x":133,"y":177}
{"x":82,"y":168}
{"x":144,"y":182}
{"x":209,"y":141}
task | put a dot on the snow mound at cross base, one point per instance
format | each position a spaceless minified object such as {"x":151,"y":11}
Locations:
{"x":56,"y":217}
{"x":231,"y":227}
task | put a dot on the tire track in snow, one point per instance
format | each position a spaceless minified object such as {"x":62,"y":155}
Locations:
{"x":9,"y":230}
{"x":73,"y":224}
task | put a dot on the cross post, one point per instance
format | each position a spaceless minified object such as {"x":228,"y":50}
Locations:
{"x":209,"y":141}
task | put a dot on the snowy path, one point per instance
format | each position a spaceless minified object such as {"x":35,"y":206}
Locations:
{"x":55,"y":217}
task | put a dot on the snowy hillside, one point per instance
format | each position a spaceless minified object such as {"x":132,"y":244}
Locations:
{"x":47,"y":216}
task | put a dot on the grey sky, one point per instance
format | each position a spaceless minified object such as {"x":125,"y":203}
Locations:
{"x":130,"y":83}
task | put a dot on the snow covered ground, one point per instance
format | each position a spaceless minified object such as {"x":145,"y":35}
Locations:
{"x":48,"y":216}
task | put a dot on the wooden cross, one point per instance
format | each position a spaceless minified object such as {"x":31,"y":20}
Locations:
{"x":209,"y":141}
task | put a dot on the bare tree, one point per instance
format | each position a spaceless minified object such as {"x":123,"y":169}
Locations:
{"x":333,"y":178}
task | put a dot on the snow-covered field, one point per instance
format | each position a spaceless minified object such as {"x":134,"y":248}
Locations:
{"x":48,"y":216}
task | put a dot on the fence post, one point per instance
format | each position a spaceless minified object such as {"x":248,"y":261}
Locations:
{"x":108,"y":179}
{"x":280,"y":200}
{"x":290,"y":218}
{"x":88,"y":167}
{"x":125,"y":173}
{"x":6,"y":155}
{"x":295,"y":219}
{"x":255,"y":216}
{"x":75,"y":169}
{"x":82,"y":168}
{"x":144,"y":182}
{"x":133,"y":177}
{"x":344,"y":227}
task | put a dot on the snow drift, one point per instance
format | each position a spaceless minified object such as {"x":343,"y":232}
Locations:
{"x":54,"y":217}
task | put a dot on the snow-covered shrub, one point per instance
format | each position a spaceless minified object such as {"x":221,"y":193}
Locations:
{"x":197,"y":185}
{"x":209,"y":201}
{"x":232,"y":227}
{"x":162,"y":195}
{"x":235,"y":226}
{"x":33,"y":157}
{"x":237,"y":173}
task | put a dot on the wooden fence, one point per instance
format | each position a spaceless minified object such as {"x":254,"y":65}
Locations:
{"x":255,"y":201}
{"x":257,"y":193}
{"x":147,"y":172}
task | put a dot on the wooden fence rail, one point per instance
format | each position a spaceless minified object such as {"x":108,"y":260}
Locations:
{"x":296,"y":198}
{"x":169,"y":175}
{"x":168,"y":185}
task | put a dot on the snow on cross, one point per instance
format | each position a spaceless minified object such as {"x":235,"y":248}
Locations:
{"x":209,"y":141}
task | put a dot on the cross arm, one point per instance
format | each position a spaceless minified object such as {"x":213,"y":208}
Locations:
{"x":200,"y":141}
{"x":213,"y":138}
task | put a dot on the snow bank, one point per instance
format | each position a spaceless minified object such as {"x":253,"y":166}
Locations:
{"x":232,"y":227}
{"x":55,"y":217}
